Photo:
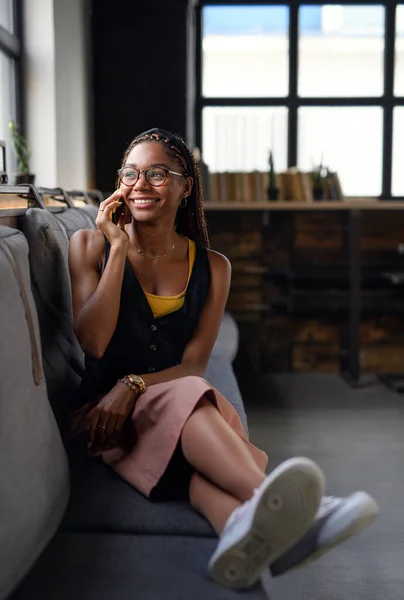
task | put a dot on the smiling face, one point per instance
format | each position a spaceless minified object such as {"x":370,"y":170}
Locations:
{"x":146,"y":202}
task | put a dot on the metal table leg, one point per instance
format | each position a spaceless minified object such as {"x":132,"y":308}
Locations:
{"x":350,"y":347}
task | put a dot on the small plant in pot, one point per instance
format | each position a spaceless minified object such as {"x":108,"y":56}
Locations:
{"x":273,"y":190}
{"x":23,"y":154}
{"x":318,"y":177}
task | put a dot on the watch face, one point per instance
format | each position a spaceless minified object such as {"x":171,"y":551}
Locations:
{"x":137,"y":381}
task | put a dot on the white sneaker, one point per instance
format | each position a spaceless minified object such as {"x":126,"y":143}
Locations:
{"x":263,"y":528}
{"x":336,"y":520}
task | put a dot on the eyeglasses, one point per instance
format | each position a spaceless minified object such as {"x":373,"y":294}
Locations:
{"x":156,"y":176}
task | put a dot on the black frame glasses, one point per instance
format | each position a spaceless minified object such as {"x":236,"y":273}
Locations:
{"x":146,"y":171}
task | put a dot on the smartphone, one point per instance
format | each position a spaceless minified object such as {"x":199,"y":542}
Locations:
{"x":117,"y":213}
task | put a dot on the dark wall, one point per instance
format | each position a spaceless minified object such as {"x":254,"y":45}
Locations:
{"x":139,"y":75}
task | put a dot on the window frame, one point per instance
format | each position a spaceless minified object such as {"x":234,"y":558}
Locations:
{"x":387,"y":101}
{"x":11,"y":46}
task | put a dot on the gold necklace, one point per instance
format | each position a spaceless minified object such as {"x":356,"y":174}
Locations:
{"x":140,"y":251}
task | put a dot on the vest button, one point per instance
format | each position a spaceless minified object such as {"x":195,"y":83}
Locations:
{"x":153,"y":347}
{"x":151,"y":369}
{"x":153,"y":327}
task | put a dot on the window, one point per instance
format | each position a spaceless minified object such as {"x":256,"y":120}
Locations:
{"x":399,"y":58}
{"x":398,"y":151}
{"x":309,"y":81}
{"x":9,"y":73}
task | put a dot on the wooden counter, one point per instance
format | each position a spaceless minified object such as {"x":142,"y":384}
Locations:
{"x":354,"y":204}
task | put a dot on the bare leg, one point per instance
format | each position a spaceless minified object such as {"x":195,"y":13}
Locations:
{"x":212,"y":502}
{"x":218,"y":453}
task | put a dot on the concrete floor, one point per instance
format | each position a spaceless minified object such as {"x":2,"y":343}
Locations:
{"x":357,"y":437}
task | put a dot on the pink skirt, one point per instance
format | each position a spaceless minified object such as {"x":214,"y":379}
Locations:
{"x":158,"y":419}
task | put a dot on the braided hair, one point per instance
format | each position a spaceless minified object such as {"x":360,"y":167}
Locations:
{"x":190,"y":220}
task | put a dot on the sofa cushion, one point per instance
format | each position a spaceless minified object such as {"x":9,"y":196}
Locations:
{"x":48,"y":240}
{"x":102,"y":501}
{"x":220,"y":374}
{"x":226,"y":344}
{"x":122,"y":567}
{"x":33,"y":465}
{"x":74,"y":219}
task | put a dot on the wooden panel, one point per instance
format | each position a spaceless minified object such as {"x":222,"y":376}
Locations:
{"x":248,"y":268}
{"x":376,"y":329}
{"x":322,"y":239}
{"x":277,"y":233}
{"x":12,"y":201}
{"x":316,"y":357}
{"x":382,"y":232}
{"x":248,"y":280}
{"x":318,"y":230}
{"x":245,"y":300}
{"x":234,"y":245}
{"x":382,"y":329}
{"x":308,"y":263}
{"x":318,"y":331}
{"x":384,"y":358}
{"x":266,"y":346}
{"x":351,"y":203}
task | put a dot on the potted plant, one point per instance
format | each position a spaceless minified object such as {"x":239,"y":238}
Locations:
{"x":23,"y":153}
{"x":273,"y":190}
{"x":318,"y":176}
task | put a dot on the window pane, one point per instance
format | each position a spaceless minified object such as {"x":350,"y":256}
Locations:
{"x":341,"y":50}
{"x":350,"y":142}
{"x":7,"y":107}
{"x":398,"y":152}
{"x":245,"y":51}
{"x":6,"y":15}
{"x":239,"y":139}
{"x":399,"y":62}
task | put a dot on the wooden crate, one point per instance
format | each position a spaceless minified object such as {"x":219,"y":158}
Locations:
{"x":382,"y":329}
{"x":382,"y":232}
{"x":316,"y":357}
{"x":383,"y":358}
{"x":322,"y":230}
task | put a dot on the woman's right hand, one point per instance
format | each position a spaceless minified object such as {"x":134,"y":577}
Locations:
{"x":114,"y":233}
{"x":105,"y":422}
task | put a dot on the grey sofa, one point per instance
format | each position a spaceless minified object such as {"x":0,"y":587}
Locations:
{"x":69,"y":526}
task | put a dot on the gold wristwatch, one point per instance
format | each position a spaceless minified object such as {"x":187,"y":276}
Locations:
{"x":138,"y":381}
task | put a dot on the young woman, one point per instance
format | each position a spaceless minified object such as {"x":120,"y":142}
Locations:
{"x":148,"y":299}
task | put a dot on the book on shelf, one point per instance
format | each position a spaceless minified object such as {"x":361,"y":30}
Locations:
{"x":251,"y":187}
{"x":237,"y":187}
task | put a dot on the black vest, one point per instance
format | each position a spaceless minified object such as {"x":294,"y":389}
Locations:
{"x":142,"y":344}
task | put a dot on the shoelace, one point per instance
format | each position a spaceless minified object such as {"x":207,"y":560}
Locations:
{"x":327,"y":504}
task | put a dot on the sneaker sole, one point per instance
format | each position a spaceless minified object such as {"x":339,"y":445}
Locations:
{"x":361,"y":517}
{"x":286,"y":509}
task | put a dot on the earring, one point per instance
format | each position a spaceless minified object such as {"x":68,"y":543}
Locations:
{"x":183,"y":204}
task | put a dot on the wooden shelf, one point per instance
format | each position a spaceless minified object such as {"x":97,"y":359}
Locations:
{"x":349,"y":204}
{"x":296,"y":279}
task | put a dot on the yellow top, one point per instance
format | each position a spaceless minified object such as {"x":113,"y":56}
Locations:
{"x":163,"y":305}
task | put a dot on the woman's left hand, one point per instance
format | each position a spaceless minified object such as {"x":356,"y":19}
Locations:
{"x":108,"y":417}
